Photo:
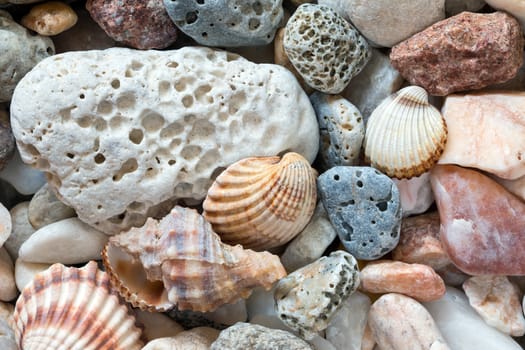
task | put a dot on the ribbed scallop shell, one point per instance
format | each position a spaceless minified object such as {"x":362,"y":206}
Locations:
{"x":179,"y":261}
{"x":405,"y":135}
{"x":67,"y":308}
{"x":262,"y":202}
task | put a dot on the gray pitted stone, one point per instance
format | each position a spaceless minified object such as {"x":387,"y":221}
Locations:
{"x":324,"y":48}
{"x":227,"y":22}
{"x":364,"y":207}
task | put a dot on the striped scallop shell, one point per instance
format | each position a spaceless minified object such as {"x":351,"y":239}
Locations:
{"x":262,"y":202}
{"x":67,"y":308}
{"x":179,"y":261}
{"x":405,"y":135}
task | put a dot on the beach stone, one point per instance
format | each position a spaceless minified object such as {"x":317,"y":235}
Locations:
{"x":310,"y":40}
{"x":320,"y":343}
{"x":7,"y":336}
{"x":364,"y":208}
{"x":6,"y":312}
{"x":24,"y":178}
{"x":45,"y":208}
{"x":21,"y":51}
{"x":399,"y":322}
{"x":6,"y":225}
{"x":229,"y":314}
{"x":157,"y":325}
{"x":485,"y":132}
{"x":8,"y":289}
{"x":199,"y":338}
{"x":463,"y":328}
{"x":516,"y":187}
{"x":386,"y":23}
{"x":368,"y":342}
{"x":307,"y":298}
{"x":157,"y":126}
{"x":481,"y":223}
{"x":339,"y":6}
{"x":242,"y":336}
{"x":342,"y":130}
{"x":50,"y":18}
{"x":453,"y":7}
{"x":139,"y":24}
{"x":498,"y":302}
{"x":21,"y":229}
{"x":69,"y":241}
{"x":415,"y":193}
{"x":452,"y":276}
{"x":7,"y":140}
{"x":464,"y":52}
{"x":419,"y":242}
{"x":515,"y":8}
{"x":227,"y":22}
{"x":26,"y":271}
{"x":417,"y":281}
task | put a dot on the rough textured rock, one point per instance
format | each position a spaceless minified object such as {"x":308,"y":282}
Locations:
{"x":386,"y":22}
{"x":399,"y":322}
{"x":242,"y":336}
{"x":307,"y":299}
{"x":21,"y":229}
{"x":157,"y":325}
{"x":7,"y":140}
{"x":364,"y":207}
{"x":45,"y":208}
{"x":341,"y":130}
{"x":227,"y":22}
{"x":481,"y":223}
{"x":26,"y":271}
{"x":324,"y":48}
{"x":514,"y":7}
{"x":453,"y":7}
{"x":20,"y":53}
{"x":139,"y":24}
{"x":199,"y":338}
{"x":498,"y":302}
{"x":485,"y":131}
{"x":50,"y":18}
{"x":464,"y":52}
{"x":8,"y":289}
{"x":157,"y":126}
{"x":415,"y":193}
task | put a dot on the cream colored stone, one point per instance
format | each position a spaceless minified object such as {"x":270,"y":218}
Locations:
{"x":50,"y":18}
{"x":5,"y":224}
{"x":22,"y":229}
{"x":157,"y":325}
{"x":415,"y":194}
{"x":25,"y":271}
{"x":8,"y":289}
{"x":199,"y":338}
{"x":45,"y":208}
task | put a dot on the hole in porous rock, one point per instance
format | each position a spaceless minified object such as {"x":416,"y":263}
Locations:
{"x":85,"y":121}
{"x":336,"y":177}
{"x":191,"y":17}
{"x":171,"y":130}
{"x":382,"y":206}
{"x":129,"y":166}
{"x":70,"y":155}
{"x":254,"y":23}
{"x":190,"y":152}
{"x":152,"y":121}
{"x":115,"y":83}
{"x":126,"y":101}
{"x":117,"y":219}
{"x":99,"y":158}
{"x":172,"y":162}
{"x":359,"y":183}
{"x":136,"y":136}
{"x":258,"y":8}
{"x":172,"y":64}
{"x":82,"y":96}
{"x":104,"y":107}
{"x":187,"y":101}
{"x":393,"y":234}
{"x":201,"y":92}
{"x":136,"y":65}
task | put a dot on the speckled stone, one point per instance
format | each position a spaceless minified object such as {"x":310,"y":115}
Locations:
{"x":364,"y":207}
{"x":307,"y":299}
{"x":21,"y":231}
{"x":137,"y":23}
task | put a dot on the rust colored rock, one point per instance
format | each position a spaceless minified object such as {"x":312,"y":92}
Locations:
{"x":482,"y":225}
{"x":418,"y":281}
{"x":137,"y":23}
{"x":464,"y":52}
{"x":419,"y":242}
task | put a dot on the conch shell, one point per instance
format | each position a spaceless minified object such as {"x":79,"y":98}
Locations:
{"x":179,"y":261}
{"x":405,"y":135}
{"x":67,"y":308}
{"x":262,"y":202}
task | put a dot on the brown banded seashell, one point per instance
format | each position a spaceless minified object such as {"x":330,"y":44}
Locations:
{"x":262,"y":202}
{"x":405,"y":135}
{"x":180,"y":262}
{"x":67,"y":308}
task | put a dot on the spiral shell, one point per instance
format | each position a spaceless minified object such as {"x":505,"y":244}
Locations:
{"x":262,"y":202}
{"x":179,"y":261}
{"x":66,"y":308}
{"x":405,"y":135}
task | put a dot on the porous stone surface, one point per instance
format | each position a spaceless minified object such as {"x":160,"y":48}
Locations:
{"x":324,"y":48}
{"x":50,"y":18}
{"x":386,"y":22}
{"x":199,"y":338}
{"x":481,"y":223}
{"x":7,"y":140}
{"x":26,"y":271}
{"x":464,"y":52}
{"x":453,"y":7}
{"x":364,"y":207}
{"x":341,"y":129}
{"x":8,"y":289}
{"x":242,"y":336}
{"x":139,"y":24}
{"x":514,"y":7}
{"x":21,"y":229}
{"x":157,"y":126}
{"x":21,"y":51}
{"x":227,"y":22}
{"x":157,"y":325}
{"x":45,"y":208}
{"x":415,"y":193}
{"x":307,"y":299}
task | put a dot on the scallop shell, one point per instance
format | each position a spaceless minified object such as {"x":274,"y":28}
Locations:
{"x":67,"y":308}
{"x":262,"y":202}
{"x":405,"y":135}
{"x":179,"y":261}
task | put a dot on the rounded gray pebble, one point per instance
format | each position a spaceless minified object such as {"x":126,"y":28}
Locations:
{"x":45,"y":208}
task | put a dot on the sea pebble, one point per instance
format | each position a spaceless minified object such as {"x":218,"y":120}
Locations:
{"x":45,"y":208}
{"x":320,"y":343}
{"x":6,"y":312}
{"x":24,"y":178}
{"x":452,"y":276}
{"x":227,"y":22}
{"x":516,"y":186}
{"x":21,"y":229}
{"x":368,"y":342}
{"x":26,"y":271}
{"x":514,"y":7}
{"x":50,"y":18}
{"x":453,"y":7}
{"x":5,"y":224}
{"x":498,"y":302}
{"x":156,"y":126}
{"x":8,"y":289}
{"x":7,"y":336}
{"x":481,"y":223}
{"x":7,"y":140}
{"x":229,"y":314}
{"x":464,"y":52}
{"x":199,"y":338}
{"x":364,"y":207}
{"x":307,"y":299}
{"x":399,"y":323}
{"x":68,"y":241}
{"x":415,"y":194}
{"x":339,"y":6}
{"x":310,"y":40}
{"x":341,"y":130}
{"x":157,"y":325}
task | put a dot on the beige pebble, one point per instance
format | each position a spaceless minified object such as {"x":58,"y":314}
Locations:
{"x":400,"y":323}
{"x":199,"y":338}
{"x":21,"y":231}
{"x":5,"y":224}
{"x":50,"y":18}
{"x":418,"y":281}
{"x":8,"y":289}
{"x":25,"y":271}
{"x":368,"y":342}
{"x":498,"y":302}
{"x":45,"y":208}
{"x":157,"y":325}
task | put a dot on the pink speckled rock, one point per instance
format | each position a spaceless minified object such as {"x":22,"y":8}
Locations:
{"x":138,"y":23}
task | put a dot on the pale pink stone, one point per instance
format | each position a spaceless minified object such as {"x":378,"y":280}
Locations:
{"x":415,"y":194}
{"x":418,"y":281}
{"x":368,"y":342}
{"x":516,"y":186}
{"x":486,"y":131}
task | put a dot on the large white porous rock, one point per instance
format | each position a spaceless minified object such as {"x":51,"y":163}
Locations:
{"x":123,"y":134}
